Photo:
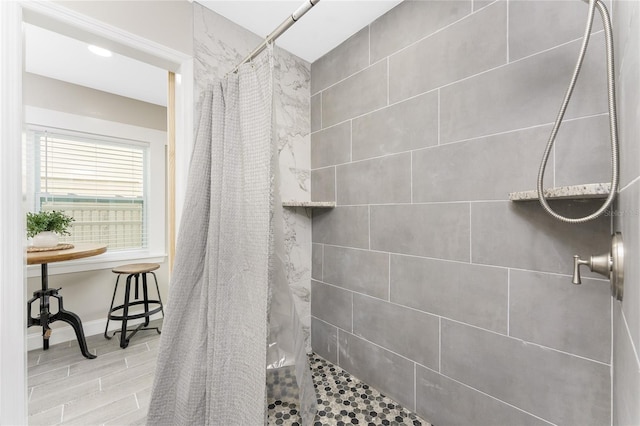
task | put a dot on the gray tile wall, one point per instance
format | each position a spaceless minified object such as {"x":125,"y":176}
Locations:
{"x":430,"y":284}
{"x":626,"y":318}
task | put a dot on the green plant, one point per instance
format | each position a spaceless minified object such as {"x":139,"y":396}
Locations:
{"x":54,"y":221}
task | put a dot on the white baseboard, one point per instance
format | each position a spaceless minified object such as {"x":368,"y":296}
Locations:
{"x":66,"y":333}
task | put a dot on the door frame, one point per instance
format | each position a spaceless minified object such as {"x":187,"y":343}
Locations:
{"x":13,"y":332}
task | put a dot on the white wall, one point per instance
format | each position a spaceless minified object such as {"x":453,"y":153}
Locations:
{"x":48,"y":93}
{"x":166,"y":22}
{"x":169,"y":41}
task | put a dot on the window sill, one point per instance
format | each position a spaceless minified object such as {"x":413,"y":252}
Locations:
{"x":104,"y":261}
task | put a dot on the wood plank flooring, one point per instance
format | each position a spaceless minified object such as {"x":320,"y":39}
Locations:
{"x":113,"y":389}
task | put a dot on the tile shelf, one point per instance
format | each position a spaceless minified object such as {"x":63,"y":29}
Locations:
{"x":573,"y":192}
{"x":312,"y":204}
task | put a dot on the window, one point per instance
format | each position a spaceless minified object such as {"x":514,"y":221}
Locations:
{"x":99,"y":181}
{"x":109,"y":176}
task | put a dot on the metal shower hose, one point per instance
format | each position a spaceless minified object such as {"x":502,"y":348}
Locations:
{"x":612,"y":117}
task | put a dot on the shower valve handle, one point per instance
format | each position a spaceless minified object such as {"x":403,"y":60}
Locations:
{"x":601,"y":264}
{"x":611,"y":265}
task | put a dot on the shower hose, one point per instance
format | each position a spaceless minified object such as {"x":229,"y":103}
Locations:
{"x":612,"y":116}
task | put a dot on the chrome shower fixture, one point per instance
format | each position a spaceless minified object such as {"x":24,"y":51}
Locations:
{"x":613,"y":126}
{"x":610,"y":265}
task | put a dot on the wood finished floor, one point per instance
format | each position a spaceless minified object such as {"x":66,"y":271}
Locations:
{"x":113,"y":389}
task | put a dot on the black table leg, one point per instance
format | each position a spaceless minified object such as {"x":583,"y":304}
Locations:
{"x":47,"y":318}
{"x":75,"y":322}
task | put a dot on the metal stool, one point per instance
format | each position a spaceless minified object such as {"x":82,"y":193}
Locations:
{"x":134,"y":270}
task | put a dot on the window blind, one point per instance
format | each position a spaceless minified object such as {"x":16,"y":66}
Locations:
{"x":99,"y":182}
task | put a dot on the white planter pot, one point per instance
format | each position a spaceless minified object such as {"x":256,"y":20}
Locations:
{"x":45,"y":239}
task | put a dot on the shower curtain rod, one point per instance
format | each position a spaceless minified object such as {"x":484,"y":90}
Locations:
{"x":284,"y":26}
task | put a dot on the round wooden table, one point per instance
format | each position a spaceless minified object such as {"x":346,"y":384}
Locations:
{"x":79,"y":251}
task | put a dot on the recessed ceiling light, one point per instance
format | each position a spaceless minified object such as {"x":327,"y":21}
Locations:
{"x":100,"y":51}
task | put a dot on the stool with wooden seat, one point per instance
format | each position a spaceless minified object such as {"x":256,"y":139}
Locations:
{"x":151,"y":307}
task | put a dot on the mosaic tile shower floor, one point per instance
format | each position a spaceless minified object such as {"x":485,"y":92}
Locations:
{"x":342,"y":400}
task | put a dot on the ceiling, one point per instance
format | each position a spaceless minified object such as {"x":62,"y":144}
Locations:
{"x":324,"y":27}
{"x":64,"y":58}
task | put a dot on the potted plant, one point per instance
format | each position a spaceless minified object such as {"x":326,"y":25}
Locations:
{"x":45,"y":227}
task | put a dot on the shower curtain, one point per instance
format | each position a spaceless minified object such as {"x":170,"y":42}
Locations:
{"x":211,"y":367}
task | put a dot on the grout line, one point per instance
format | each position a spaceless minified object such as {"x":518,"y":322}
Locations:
{"x":461,"y":262}
{"x":440,"y":344}
{"x":558,"y":274}
{"x":458,"y":322}
{"x":322,"y":266}
{"x":508,"y":301}
{"x":470,"y":235}
{"x":349,"y":76}
{"x":335,"y":184}
{"x":389,"y":273}
{"x":388,"y":77}
{"x":633,"y":346}
{"x":530,"y":343}
{"x":611,"y":380}
{"x":475,"y":138}
{"x":350,"y":140}
{"x":486,"y":394}
{"x":337,"y":343}
{"x":439,"y":142}
{"x":507,"y":35}
{"x":369,"y":33}
{"x":426,"y":203}
{"x":415,"y":385}
{"x":321,"y":108}
{"x":352,"y":329}
{"x":467,"y":16}
{"x":369,"y":208}
{"x":411,"y":176}
{"x":629,"y":184}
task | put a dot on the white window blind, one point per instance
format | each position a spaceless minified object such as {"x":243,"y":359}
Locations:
{"x":100,"y":182}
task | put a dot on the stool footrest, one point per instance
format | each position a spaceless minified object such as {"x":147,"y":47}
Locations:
{"x":136,"y":316}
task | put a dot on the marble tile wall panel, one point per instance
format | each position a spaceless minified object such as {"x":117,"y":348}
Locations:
{"x":219,"y":45}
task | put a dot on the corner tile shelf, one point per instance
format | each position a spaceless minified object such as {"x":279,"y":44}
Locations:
{"x":312,"y":204}
{"x":573,"y":192}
